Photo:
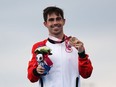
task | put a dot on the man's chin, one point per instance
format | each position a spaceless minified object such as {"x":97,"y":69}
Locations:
{"x":57,"y":32}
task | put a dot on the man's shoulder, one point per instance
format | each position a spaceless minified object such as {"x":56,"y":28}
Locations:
{"x":39,"y":44}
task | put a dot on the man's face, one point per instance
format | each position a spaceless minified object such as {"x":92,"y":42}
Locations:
{"x":55,"y":24}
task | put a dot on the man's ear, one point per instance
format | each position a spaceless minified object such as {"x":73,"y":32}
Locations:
{"x":45,"y":23}
{"x":64,"y":21}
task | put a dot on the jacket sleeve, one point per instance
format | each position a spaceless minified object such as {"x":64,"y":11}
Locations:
{"x":85,"y":66}
{"x":32,"y":74}
{"x":32,"y":65}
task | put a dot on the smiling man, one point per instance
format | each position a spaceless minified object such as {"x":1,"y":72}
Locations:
{"x":54,"y":22}
{"x":67,"y":61}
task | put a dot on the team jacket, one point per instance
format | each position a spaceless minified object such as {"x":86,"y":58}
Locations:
{"x":67,"y":66}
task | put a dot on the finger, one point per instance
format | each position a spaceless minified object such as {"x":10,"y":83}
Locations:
{"x":79,"y":45}
{"x":40,"y":70}
{"x":79,"y":42}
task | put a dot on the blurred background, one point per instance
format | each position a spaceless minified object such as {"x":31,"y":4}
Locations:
{"x":91,"y":21}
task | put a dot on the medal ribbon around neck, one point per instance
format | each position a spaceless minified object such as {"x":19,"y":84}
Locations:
{"x":68,"y":46}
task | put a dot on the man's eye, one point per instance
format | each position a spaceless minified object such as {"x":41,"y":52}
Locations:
{"x":51,"y":19}
{"x":58,"y":19}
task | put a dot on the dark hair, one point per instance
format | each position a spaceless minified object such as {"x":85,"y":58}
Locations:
{"x":52,"y":9}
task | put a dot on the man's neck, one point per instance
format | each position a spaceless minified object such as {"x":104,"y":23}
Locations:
{"x":58,"y":36}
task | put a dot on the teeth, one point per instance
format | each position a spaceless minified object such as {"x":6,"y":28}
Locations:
{"x":56,"y":27}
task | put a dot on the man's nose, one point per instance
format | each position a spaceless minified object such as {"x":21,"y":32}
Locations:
{"x":55,"y":21}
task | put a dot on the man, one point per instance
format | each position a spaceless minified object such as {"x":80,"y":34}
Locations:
{"x":68,"y":60}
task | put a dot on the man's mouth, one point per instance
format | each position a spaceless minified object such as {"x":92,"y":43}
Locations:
{"x":57,"y":26}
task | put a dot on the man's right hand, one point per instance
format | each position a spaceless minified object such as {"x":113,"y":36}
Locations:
{"x":40,"y":70}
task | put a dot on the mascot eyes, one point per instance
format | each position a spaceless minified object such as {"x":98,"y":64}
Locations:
{"x":39,"y":57}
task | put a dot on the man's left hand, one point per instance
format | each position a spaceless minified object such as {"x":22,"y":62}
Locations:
{"x":77,"y":44}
